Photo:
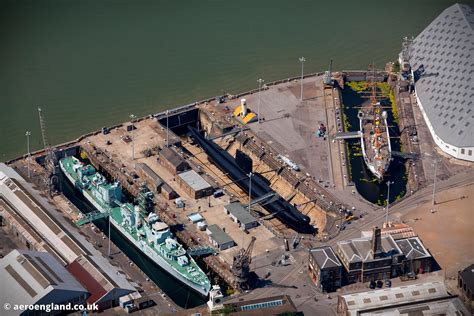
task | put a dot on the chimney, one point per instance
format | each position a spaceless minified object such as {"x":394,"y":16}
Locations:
{"x":377,"y":243}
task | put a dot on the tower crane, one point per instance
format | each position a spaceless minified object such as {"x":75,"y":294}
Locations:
{"x":50,"y":162}
{"x":328,"y":82}
{"x":241,"y":266}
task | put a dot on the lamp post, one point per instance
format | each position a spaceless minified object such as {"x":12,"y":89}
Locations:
{"x":434,"y":182}
{"x":388,"y":200}
{"x":250,"y":189}
{"x":28,"y":134}
{"x":110,"y":214}
{"x":302,"y":60}
{"x":167,"y":129}
{"x":132,"y":117}
{"x":260,"y":81}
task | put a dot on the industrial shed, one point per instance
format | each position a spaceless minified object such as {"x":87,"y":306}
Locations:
{"x":429,"y":298}
{"x":219,"y":238}
{"x":241,"y":216}
{"x":442,"y":69}
{"x":32,"y":277}
{"x":168,"y":192}
{"x":154,"y":181}
{"x":101,"y":279}
{"x":194,"y":185}
{"x":172,"y":161}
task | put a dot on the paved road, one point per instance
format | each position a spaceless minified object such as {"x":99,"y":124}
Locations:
{"x":376,"y":218}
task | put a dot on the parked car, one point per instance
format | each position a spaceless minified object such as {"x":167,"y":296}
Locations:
{"x":372,"y":284}
{"x":388,"y":283}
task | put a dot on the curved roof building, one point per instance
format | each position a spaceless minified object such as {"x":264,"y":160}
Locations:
{"x":442,"y":63}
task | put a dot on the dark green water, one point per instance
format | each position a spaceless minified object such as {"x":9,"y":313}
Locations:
{"x":92,"y":63}
{"x":366,"y":183}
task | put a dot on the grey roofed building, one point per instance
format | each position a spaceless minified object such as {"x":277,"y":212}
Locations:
{"x":194,"y":180}
{"x":325,"y":269}
{"x":244,"y":218}
{"x":466,"y":281}
{"x":430,"y":298}
{"x":220,"y":237}
{"x":173,"y":161}
{"x":32,"y":277}
{"x":171,"y":155}
{"x":360,"y":249}
{"x":58,"y":235}
{"x":146,"y":171}
{"x":325,"y":257}
{"x":413,"y":248}
{"x":168,"y":192}
{"x":442,"y":62}
{"x":193,"y":184}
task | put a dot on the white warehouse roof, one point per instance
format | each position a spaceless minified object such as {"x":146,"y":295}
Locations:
{"x":194,"y":180}
{"x":429,"y":298}
{"x":30,"y":276}
{"x":445,"y":49}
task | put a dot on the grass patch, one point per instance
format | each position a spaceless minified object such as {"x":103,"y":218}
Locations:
{"x":360,"y":86}
{"x":396,"y":67}
{"x":384,"y":88}
{"x":348,"y":162}
{"x":357,"y":85}
{"x":347,"y":125}
{"x":394,"y":106}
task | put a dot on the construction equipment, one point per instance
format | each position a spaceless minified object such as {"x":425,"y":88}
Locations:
{"x":327,"y":80}
{"x":50,"y":161}
{"x":241,"y":266}
{"x":296,"y":241}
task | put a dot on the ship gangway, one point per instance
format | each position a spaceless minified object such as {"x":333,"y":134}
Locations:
{"x":348,"y":135}
{"x":201,"y":251}
{"x":91,"y":217}
{"x":406,"y":155}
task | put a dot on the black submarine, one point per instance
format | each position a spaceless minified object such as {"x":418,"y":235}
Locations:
{"x":280,"y":208}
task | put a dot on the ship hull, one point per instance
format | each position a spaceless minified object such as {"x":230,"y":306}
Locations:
{"x":379,"y":174}
{"x":141,"y":246}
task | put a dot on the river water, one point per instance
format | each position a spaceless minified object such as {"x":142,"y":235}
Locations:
{"x":90,"y":64}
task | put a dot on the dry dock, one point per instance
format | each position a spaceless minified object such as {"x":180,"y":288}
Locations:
{"x":288,"y":126}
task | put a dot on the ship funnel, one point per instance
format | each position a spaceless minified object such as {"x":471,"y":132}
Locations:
{"x":138,"y":220}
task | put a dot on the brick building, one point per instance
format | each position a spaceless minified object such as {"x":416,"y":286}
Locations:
{"x":325,"y":269}
{"x":172,"y":161}
{"x":370,"y":258}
